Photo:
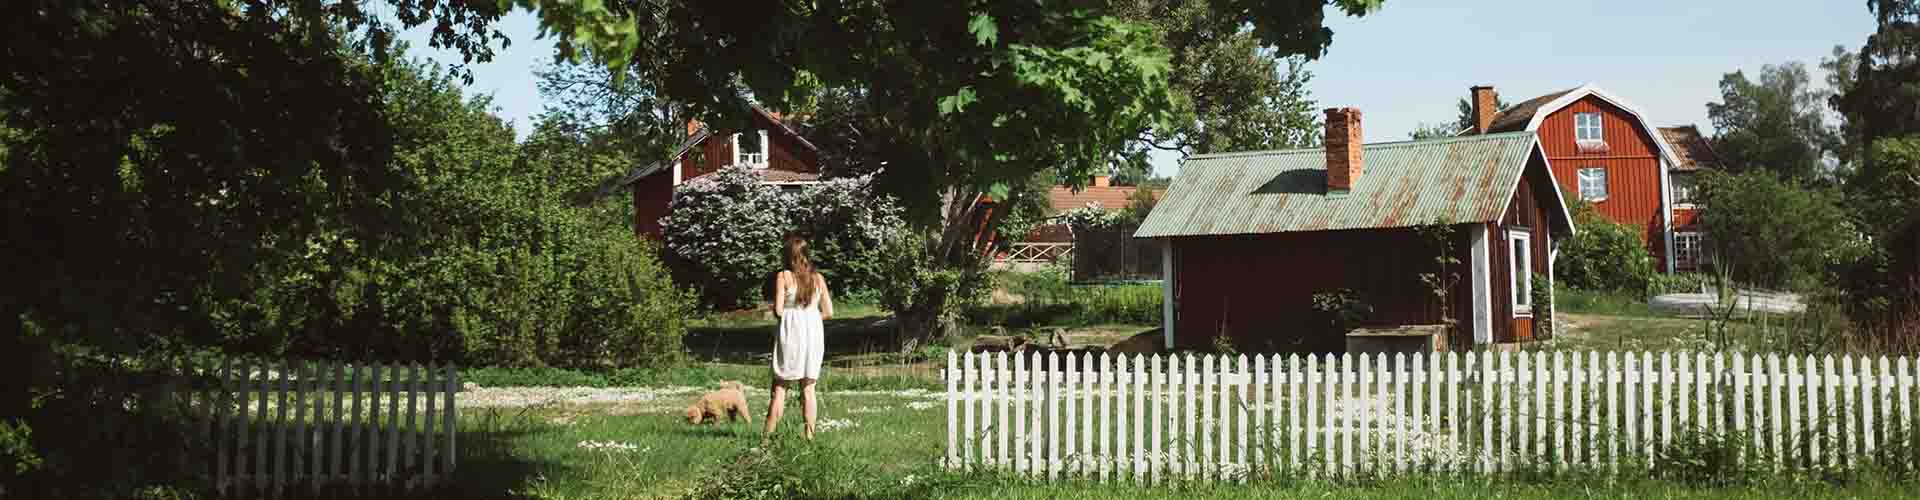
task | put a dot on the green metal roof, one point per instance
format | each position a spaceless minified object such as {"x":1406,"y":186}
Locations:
{"x":1402,"y":184}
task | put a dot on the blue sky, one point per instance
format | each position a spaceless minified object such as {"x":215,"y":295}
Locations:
{"x":1409,"y":62}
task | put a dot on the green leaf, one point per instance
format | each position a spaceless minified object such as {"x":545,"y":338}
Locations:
{"x":985,"y":32}
{"x":957,"y":102}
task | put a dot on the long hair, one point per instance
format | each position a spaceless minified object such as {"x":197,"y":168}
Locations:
{"x":800,"y":266}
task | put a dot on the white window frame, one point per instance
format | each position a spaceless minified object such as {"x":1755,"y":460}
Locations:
{"x":1683,"y":198}
{"x":1588,"y":122}
{"x":755,"y":160}
{"x":1699,"y":247}
{"x":1520,"y":272}
{"x":1582,"y":178}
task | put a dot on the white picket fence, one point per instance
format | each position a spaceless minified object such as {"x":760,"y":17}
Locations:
{"x":314,"y":424}
{"x":1148,"y":418}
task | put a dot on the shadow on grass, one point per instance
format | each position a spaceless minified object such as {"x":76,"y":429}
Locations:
{"x":752,"y":344}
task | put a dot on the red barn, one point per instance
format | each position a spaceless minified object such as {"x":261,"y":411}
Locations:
{"x":1252,"y":236}
{"x":1603,"y":150}
{"x":771,"y":147}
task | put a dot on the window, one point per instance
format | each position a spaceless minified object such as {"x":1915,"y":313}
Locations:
{"x":1683,"y":187}
{"x":1521,"y":274}
{"x":753,"y":153}
{"x":1586,"y":127}
{"x":1593,"y":183}
{"x":1688,"y":250}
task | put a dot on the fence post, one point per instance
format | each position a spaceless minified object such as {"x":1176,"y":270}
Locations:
{"x":1162,"y":400}
{"x":1137,"y":376}
{"x":1053,"y":415}
{"x":1311,"y":423}
{"x":1000,"y":430}
{"x":1103,"y":389}
{"x":1261,"y":459}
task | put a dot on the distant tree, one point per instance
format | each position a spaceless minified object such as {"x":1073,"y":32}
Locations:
{"x":1464,"y":120}
{"x":1231,"y":93}
{"x":1432,"y":131}
{"x":1776,"y":124}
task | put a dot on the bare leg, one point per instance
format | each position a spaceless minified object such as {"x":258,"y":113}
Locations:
{"x":807,"y":405}
{"x":776,"y":407}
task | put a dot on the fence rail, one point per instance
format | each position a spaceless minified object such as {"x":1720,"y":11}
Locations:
{"x":1038,"y":252}
{"x":280,"y":425}
{"x":1147,"y":418}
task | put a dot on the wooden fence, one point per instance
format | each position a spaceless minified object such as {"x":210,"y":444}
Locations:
{"x":275,"y":426}
{"x":1151,"y":418}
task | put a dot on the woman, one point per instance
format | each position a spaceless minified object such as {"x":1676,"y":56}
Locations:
{"x":801,"y":300}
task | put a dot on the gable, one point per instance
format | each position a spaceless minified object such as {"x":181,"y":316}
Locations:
{"x":1622,"y":133}
{"x":1533,"y":111}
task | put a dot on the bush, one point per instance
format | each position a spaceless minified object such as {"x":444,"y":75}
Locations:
{"x":726,"y":227}
{"x":1773,"y":233}
{"x":1603,"y":255}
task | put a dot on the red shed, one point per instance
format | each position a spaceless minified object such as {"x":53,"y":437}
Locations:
{"x":1252,"y":236}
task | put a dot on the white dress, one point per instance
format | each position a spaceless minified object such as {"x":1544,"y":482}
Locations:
{"x":797,"y":352}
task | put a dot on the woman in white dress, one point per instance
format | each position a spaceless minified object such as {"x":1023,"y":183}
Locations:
{"x":801,"y":300}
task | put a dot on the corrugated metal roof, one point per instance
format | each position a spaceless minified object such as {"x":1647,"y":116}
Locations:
{"x":1402,"y":184}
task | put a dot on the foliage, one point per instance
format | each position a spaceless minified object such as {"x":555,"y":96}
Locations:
{"x":1140,"y":204}
{"x":1775,"y":124}
{"x":726,"y":228}
{"x":1426,"y":131}
{"x":1340,"y":310}
{"x":1876,"y":101}
{"x":1604,"y":255}
{"x":1706,"y":458}
{"x":1446,"y":262}
{"x":1046,"y":299}
{"x":1662,"y":283}
{"x":914,"y":284}
{"x":1774,"y":233}
{"x":1543,"y":311}
{"x":957,"y":110}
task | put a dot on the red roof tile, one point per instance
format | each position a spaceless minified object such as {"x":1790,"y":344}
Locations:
{"x":1109,"y":198}
{"x":1690,"y":147}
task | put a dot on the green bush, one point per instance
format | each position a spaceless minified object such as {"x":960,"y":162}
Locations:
{"x":1704,"y":458}
{"x":1779,"y":234}
{"x":1662,"y":284}
{"x":1603,"y":255}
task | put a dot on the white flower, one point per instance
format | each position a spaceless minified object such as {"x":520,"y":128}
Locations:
{"x":837,"y":424}
{"x":922,"y":405}
{"x":609,"y":446}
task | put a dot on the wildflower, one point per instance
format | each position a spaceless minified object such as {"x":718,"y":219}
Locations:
{"x":609,"y":446}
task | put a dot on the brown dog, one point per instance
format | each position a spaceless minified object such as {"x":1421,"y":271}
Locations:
{"x":729,"y":401}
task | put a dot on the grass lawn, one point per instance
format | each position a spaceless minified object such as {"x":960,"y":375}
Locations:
{"x":883,"y":444}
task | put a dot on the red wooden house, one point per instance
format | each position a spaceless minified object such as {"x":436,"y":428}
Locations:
{"x":771,"y":147}
{"x":1052,"y":240}
{"x":1253,"y":236}
{"x":1603,"y":150}
{"x":1694,"y":154}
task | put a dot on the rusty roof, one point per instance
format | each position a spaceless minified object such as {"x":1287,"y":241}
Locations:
{"x":1403,"y":184}
{"x":1690,"y":148}
{"x":1516,"y":118}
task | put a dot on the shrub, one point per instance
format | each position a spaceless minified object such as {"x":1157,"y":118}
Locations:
{"x":725,"y":229}
{"x":1773,"y":233}
{"x":1603,"y":255}
{"x":1705,"y":458}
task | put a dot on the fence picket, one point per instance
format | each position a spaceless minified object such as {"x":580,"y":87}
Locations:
{"x":427,"y":457}
{"x":1086,"y":394}
{"x":1843,"y":412}
{"x":1869,"y":395}
{"x":223,"y":427}
{"x":1104,"y":391}
{"x":1186,"y":415}
{"x":1329,"y":378}
{"x":1157,"y":372}
{"x":1053,"y":415}
{"x":1265,"y":411}
{"x":1137,"y":376}
{"x":1903,"y":370}
{"x":1610,"y":377}
{"x":1523,"y":409}
{"x":1831,"y":412}
{"x":1309,"y":420}
{"x":1223,"y":420}
{"x":1797,"y":447}
{"x":1001,"y":431}
{"x":393,"y":431}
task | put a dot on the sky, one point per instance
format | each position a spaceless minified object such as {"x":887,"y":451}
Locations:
{"x":1409,"y":62}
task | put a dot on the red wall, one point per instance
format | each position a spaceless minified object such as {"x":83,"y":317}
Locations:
{"x":785,"y":151}
{"x":1531,"y":211}
{"x":651,"y":196}
{"x":1632,"y":162}
{"x":1259,"y":287}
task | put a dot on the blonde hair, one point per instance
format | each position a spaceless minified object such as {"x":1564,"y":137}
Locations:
{"x":800,"y":266}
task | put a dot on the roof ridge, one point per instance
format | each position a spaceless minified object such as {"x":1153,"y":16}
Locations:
{"x":1400,"y":143}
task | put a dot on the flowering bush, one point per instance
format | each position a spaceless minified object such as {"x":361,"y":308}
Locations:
{"x":725,"y":230}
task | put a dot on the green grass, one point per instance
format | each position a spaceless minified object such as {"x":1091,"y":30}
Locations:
{"x":1577,"y":301}
{"x":890,"y":452}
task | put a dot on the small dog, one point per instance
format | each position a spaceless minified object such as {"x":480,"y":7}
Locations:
{"x":729,"y":401}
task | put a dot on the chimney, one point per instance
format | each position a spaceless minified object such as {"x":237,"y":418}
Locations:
{"x":1484,"y":102}
{"x":1343,"y":149}
{"x":693,"y":127}
{"x":1102,"y":181}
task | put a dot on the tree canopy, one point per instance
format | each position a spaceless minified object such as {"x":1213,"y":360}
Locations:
{"x":1774,"y":123}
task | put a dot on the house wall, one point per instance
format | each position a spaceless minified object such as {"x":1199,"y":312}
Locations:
{"x":1525,"y":212}
{"x":651,"y":197}
{"x":785,"y":152}
{"x":1632,"y":162}
{"x":1258,"y":288}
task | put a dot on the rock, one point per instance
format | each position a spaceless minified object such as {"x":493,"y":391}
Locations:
{"x":999,"y":343}
{"x":469,"y":386}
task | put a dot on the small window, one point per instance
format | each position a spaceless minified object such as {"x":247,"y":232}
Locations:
{"x":752,"y":152}
{"x":1593,"y":183}
{"x":1586,"y":127}
{"x":1683,"y":188}
{"x":1522,"y":272}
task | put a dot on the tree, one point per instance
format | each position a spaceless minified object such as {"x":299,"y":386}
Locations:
{"x":1464,"y":119}
{"x":964,"y":108}
{"x":1604,"y":255}
{"x":1231,"y":94}
{"x":1775,"y":124}
{"x":1432,"y":131}
{"x":1776,"y":233}
{"x":1880,"y":109}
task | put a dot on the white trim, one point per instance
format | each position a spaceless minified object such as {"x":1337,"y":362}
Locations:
{"x":1599,"y":130}
{"x":1167,"y":283}
{"x":766,"y":151}
{"x":1518,"y":273}
{"x":1553,"y":294}
{"x":676,"y":172}
{"x":1666,"y":211}
{"x":1482,"y":286}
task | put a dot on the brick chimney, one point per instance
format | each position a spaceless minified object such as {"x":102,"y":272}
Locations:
{"x":1344,"y":163}
{"x":1485,"y":101}
{"x":1102,"y":181}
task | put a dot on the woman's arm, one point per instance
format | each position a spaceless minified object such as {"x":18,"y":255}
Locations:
{"x":826,"y":299}
{"x":779,"y":293}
